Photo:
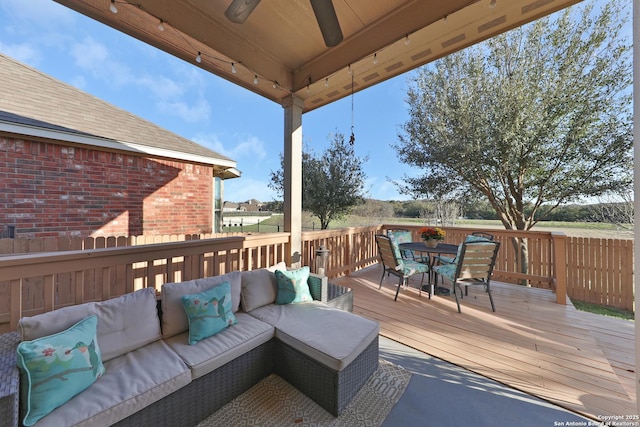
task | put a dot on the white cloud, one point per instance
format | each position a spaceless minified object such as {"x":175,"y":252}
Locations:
{"x":42,"y":13}
{"x":383,"y":189}
{"x":251,"y":148}
{"x":80,"y":82}
{"x":243,"y":189}
{"x":190,"y":113}
{"x":23,"y":52}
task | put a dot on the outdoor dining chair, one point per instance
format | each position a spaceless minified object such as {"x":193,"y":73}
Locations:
{"x":402,"y":235}
{"x":473,"y":267}
{"x":393,"y":263}
{"x":476,"y":236}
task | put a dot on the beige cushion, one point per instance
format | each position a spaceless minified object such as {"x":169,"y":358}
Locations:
{"x":125,"y":323}
{"x":305,"y":327}
{"x":174,"y":319}
{"x":213,"y":352}
{"x":131,"y":382}
{"x":259,"y":287}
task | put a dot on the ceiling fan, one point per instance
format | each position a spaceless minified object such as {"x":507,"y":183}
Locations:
{"x":239,"y":10}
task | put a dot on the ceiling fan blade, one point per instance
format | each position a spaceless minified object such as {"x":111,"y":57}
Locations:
{"x":327,"y":21}
{"x":239,"y":10}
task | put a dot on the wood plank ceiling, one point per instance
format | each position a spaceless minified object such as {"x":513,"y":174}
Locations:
{"x":279,"y":50}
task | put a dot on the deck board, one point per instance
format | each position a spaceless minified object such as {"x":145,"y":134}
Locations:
{"x":573,"y":359}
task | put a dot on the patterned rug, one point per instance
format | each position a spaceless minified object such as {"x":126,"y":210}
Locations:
{"x":274,"y":402}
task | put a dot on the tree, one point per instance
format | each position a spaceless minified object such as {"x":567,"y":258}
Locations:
{"x":538,"y":116}
{"x":332,"y":184}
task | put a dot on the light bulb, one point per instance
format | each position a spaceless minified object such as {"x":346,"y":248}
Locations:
{"x":375,"y":58}
{"x":233,"y":68}
{"x":112,"y":7}
{"x":326,"y":82}
{"x":492,"y":4}
{"x":406,"y":40}
{"x":255,"y":79}
{"x":161,"y":25}
{"x":198,"y":58}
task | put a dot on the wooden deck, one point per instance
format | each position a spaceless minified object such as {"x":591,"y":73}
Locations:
{"x":576,"y":360}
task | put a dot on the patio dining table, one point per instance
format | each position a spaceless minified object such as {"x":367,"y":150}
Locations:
{"x":439,"y":249}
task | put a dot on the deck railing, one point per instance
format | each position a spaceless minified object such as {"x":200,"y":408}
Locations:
{"x":39,"y":282}
{"x":592,"y":270}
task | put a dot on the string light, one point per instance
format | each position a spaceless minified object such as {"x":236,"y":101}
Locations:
{"x":375,"y":58}
{"x":406,"y":39}
{"x":492,"y":4}
{"x":326,"y":82}
{"x":161,"y":27}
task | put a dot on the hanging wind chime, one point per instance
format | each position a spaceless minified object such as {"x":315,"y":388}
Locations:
{"x":352,"y":138}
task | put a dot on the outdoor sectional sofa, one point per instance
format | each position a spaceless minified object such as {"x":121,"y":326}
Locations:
{"x":154,"y":376}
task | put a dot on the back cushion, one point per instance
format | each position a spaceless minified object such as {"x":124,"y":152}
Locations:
{"x":174,"y":318}
{"x":259,"y":286}
{"x":125,"y":323}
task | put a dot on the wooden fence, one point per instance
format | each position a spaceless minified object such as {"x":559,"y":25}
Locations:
{"x":42,"y":274}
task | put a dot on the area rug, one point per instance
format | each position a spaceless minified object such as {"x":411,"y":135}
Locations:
{"x":275,"y":402}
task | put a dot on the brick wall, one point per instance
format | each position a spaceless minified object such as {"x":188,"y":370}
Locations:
{"x":54,"y":190}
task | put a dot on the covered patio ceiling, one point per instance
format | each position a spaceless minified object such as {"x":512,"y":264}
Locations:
{"x":279,"y":51}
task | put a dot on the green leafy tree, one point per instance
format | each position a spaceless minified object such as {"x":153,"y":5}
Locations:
{"x":540,"y":115}
{"x":332,"y":183}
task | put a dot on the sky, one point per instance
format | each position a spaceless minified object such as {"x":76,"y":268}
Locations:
{"x":198,"y":105}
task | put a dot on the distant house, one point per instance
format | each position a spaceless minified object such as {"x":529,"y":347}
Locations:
{"x":74,"y":165}
{"x":252,"y":205}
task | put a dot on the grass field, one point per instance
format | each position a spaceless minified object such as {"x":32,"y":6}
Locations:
{"x":576,"y":229}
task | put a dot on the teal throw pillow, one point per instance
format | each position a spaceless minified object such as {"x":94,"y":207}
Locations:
{"x":57,"y":367}
{"x":292,"y":286}
{"x":209,"y":312}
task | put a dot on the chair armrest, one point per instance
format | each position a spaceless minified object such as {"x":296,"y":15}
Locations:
{"x":318,"y":287}
{"x":9,"y":379}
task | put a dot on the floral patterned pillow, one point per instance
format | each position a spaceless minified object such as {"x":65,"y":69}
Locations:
{"x":293,"y":286}
{"x":57,"y":367}
{"x":209,"y":312}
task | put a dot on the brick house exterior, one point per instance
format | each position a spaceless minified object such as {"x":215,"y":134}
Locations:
{"x":73,"y":165}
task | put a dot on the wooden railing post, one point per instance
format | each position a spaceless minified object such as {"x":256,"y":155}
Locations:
{"x":559,"y":242}
{"x":16,"y":303}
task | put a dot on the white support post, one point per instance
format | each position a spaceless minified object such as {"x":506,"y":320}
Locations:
{"x":293,"y":177}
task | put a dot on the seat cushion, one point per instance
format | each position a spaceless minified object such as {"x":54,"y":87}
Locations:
{"x":412,"y":267}
{"x":125,"y":323}
{"x":130,"y":382}
{"x":174,"y":319}
{"x":213,"y":352}
{"x":307,"y":327}
{"x":447,"y":270}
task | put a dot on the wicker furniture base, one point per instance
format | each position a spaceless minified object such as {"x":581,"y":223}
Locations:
{"x":9,"y":379}
{"x":330,"y":389}
{"x":340,"y":297}
{"x":205,"y":395}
